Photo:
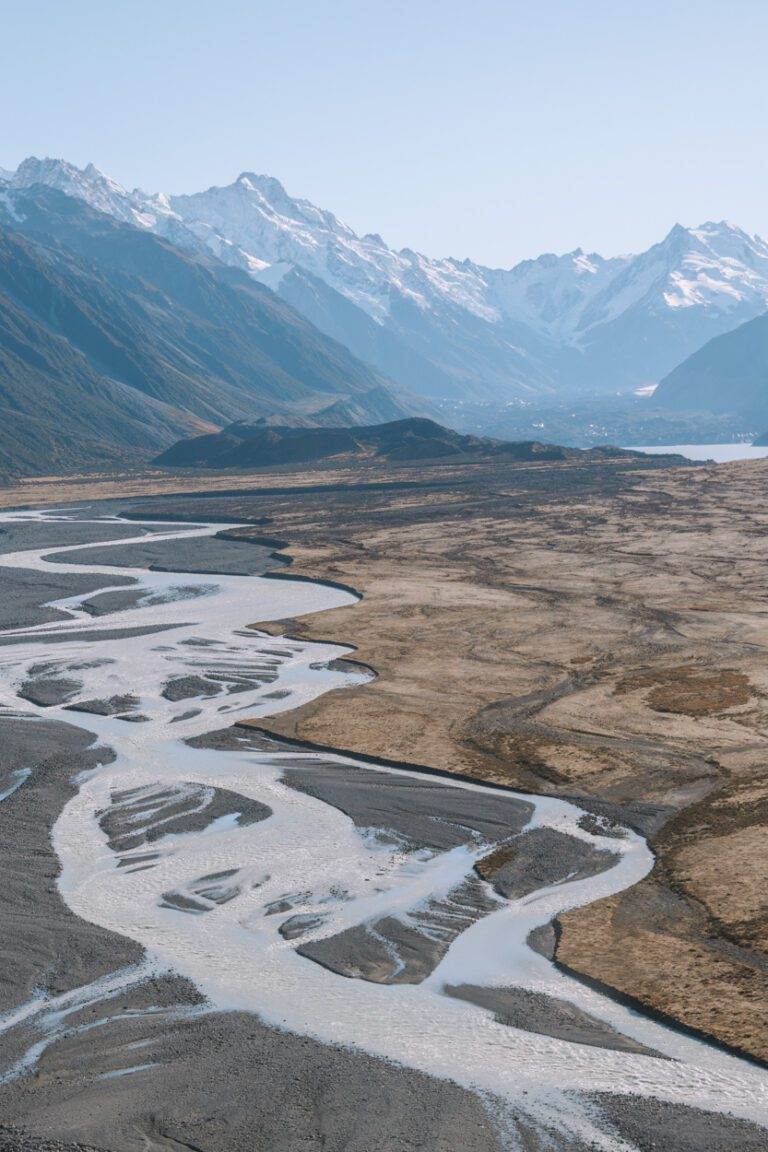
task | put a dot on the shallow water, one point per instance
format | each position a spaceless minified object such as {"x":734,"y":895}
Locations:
{"x":311,"y":855}
{"x":720,"y":453}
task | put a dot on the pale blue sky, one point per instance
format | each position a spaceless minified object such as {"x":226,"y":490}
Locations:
{"x":477,"y":128}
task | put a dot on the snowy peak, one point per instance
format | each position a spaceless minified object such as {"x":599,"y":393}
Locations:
{"x":268,"y":187}
{"x":258,"y":215}
{"x":91,"y":185}
{"x":721,"y":232}
{"x":151,"y":211}
{"x":716,"y":269}
{"x":719,"y":239}
{"x":253,"y":196}
{"x":715,"y":266}
{"x":88,"y":183}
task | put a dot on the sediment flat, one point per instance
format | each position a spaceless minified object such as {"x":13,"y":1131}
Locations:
{"x":591,"y":632}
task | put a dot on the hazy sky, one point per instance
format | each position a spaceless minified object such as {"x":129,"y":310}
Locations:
{"x":473,"y":128}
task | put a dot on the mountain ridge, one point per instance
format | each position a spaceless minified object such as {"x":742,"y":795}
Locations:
{"x":554,"y":324}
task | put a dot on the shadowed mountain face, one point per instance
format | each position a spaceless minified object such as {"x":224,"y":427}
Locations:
{"x":62,"y":399}
{"x":729,"y":374}
{"x":113,"y":343}
{"x":245,"y":445}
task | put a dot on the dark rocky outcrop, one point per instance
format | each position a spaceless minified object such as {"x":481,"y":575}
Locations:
{"x":254,"y":445}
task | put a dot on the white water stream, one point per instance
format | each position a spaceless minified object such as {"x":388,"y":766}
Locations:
{"x":234,"y":953}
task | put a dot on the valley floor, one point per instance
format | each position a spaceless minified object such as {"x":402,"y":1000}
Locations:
{"x":577,"y":631}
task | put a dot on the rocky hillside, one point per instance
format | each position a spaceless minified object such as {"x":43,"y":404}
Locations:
{"x":114,"y":342}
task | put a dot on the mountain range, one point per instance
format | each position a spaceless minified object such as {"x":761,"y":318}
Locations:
{"x":562,"y":325}
{"x":114,"y":342}
{"x":131,"y":319}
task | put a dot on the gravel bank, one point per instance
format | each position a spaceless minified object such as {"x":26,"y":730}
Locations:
{"x":44,"y":946}
{"x":211,"y":554}
{"x":407,"y":805}
{"x":226,"y":1083}
{"x":547,"y":1015}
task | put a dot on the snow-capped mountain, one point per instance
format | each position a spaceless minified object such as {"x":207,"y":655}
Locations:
{"x":141,"y":209}
{"x":456,"y":328}
{"x":258,"y":215}
{"x":716,"y":268}
{"x":113,"y":343}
